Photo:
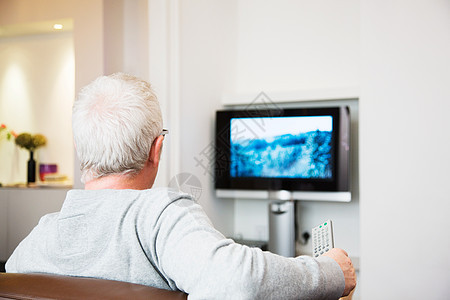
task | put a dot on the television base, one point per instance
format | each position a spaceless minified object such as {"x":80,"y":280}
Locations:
{"x":282,"y":228}
{"x":295,"y":195}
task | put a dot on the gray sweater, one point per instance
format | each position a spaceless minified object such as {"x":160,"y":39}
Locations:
{"x":163,"y":238}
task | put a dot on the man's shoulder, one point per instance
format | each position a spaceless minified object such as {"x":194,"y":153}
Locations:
{"x":157,"y":197}
{"x":160,"y":193}
{"x":170,"y":193}
{"x":165,"y":196}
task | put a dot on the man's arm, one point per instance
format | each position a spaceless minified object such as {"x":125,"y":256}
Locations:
{"x":341,"y":257}
{"x":206,"y":265}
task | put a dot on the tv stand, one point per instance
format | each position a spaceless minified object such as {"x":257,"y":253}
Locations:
{"x":285,"y":195}
{"x":282,"y":214}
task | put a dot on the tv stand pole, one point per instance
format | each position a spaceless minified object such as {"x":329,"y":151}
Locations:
{"x":282,"y":215}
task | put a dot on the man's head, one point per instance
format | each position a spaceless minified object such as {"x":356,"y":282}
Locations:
{"x":115,"y":120}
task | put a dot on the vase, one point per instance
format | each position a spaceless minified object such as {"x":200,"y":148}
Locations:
{"x":31,"y":169}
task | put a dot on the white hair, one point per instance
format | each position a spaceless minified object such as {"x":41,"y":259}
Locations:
{"x":115,"y":120}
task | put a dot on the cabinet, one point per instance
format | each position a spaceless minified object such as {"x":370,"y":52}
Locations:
{"x":20,"y":211}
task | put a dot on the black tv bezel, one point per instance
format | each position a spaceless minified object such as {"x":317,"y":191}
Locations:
{"x":341,"y":152}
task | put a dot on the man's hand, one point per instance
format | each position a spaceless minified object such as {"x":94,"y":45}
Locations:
{"x":341,"y":257}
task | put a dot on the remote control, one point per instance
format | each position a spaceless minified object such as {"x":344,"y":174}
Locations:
{"x":322,"y":238}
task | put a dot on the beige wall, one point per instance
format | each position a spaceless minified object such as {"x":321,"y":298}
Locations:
{"x":88,"y":28}
{"x":37,"y":80}
{"x":87,"y":33}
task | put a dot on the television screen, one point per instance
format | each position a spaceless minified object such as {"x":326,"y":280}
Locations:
{"x":301,"y":149}
{"x":282,"y":147}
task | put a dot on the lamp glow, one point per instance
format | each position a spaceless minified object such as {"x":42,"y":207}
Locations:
{"x":58,"y":26}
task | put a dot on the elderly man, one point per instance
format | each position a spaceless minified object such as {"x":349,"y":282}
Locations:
{"x":120,"y":228}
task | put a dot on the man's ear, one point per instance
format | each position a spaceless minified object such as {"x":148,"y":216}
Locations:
{"x":155,"y":151}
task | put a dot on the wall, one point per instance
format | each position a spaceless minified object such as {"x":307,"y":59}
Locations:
{"x":404,"y":148}
{"x":292,"y":45}
{"x":87,"y":34}
{"x":207,"y":56}
{"x":36,"y":92}
{"x":125,"y":25}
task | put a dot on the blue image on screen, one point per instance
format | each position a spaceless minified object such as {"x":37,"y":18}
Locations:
{"x":281,"y":147}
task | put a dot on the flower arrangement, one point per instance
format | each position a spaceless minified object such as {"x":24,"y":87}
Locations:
{"x":4,"y":131}
{"x":30,"y":142}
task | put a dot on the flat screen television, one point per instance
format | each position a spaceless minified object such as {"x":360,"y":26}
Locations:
{"x":296,"y":150}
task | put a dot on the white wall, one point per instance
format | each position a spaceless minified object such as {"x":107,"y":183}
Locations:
{"x":297,"y":44}
{"x":207,"y":56}
{"x":405,"y":92}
